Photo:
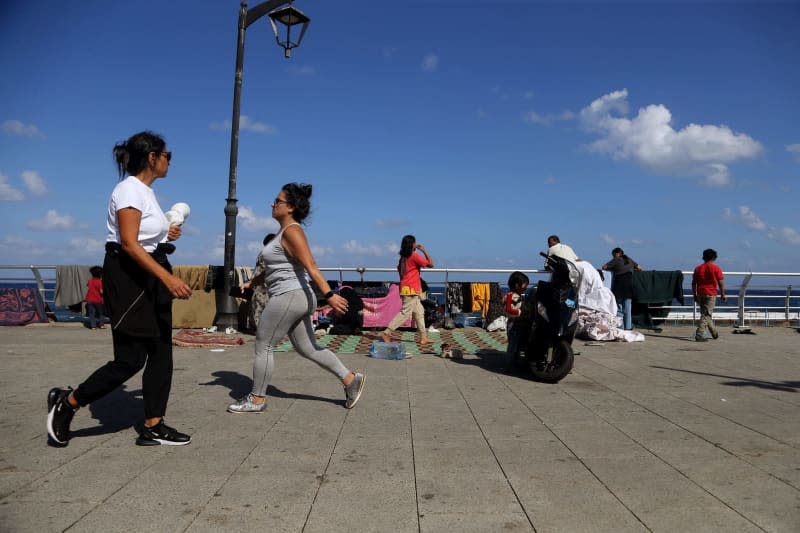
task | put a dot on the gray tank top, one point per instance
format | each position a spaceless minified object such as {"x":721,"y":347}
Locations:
{"x":282,"y":273}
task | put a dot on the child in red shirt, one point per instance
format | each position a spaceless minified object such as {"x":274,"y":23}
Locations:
{"x":705,"y":281}
{"x":94,"y":298}
{"x":512,"y":304}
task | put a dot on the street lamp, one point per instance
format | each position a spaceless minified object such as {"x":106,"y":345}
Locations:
{"x":280,"y":12}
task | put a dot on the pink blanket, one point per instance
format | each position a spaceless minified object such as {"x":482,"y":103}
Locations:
{"x":378,"y":312}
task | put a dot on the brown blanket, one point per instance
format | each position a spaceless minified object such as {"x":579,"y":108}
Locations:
{"x":193,"y":337}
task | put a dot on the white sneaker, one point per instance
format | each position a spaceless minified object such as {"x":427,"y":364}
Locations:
{"x":247,"y":405}
{"x":433,"y":330}
{"x":230,"y":331}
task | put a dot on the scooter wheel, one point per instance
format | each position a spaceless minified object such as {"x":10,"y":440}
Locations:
{"x":555,"y":365}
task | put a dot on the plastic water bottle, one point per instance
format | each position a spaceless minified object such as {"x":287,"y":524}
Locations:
{"x":387,"y":350}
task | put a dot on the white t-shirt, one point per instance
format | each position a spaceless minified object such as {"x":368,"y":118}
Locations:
{"x":131,"y":192}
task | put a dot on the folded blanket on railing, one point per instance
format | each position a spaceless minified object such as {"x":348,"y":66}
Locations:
{"x":71,"y":284}
{"x":658,"y":286}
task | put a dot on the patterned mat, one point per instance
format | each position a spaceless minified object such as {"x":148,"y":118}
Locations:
{"x":469,"y":340}
{"x":194,"y":337}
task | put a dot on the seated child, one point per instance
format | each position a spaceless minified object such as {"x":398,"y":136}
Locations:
{"x":512,"y":304}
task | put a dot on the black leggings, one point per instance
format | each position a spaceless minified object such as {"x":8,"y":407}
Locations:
{"x":131,"y":354}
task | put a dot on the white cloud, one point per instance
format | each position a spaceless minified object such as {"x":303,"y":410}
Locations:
{"x":321,"y":251}
{"x":254,"y":247}
{"x":18,"y":129}
{"x":391,"y":222}
{"x":15,"y":246}
{"x":7,"y":192}
{"x":246,"y":124}
{"x":388,"y":52}
{"x":606,"y":238}
{"x":430,"y":63}
{"x":376,"y":250}
{"x":794,"y":149}
{"x":52,"y":221}
{"x":87,"y":245}
{"x":253,"y":222}
{"x":535,"y":118}
{"x":532,"y":117}
{"x":190,"y":229}
{"x":650,"y":140}
{"x":34,"y":182}
{"x":744,"y":216}
{"x":789,"y":235}
{"x":305,"y":70}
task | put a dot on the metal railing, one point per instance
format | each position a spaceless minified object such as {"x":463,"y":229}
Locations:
{"x":739,"y":288}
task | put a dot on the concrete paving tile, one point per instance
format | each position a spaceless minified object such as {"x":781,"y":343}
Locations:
{"x":662,"y":498}
{"x":473,"y":522}
{"x":598,"y":440}
{"x":452,"y":461}
{"x":375,"y":500}
{"x":117,"y":517}
{"x":100,"y":472}
{"x":250,"y":517}
{"x":273,"y":489}
{"x":740,"y":486}
{"x":41,"y":516}
{"x":546,"y":489}
{"x":517,"y":453}
{"x":465,"y":491}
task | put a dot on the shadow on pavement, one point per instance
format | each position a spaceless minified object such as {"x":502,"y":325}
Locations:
{"x":118,"y":410}
{"x":240,"y":385}
{"x":783,"y":386}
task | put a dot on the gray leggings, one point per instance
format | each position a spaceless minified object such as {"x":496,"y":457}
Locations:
{"x":290,"y":313}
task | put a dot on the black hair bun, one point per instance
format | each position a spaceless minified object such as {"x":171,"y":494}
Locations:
{"x":305,"y":188}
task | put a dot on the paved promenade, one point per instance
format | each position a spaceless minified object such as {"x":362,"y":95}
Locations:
{"x":665,"y":435}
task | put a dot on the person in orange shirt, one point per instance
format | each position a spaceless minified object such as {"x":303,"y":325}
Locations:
{"x":408,"y":267}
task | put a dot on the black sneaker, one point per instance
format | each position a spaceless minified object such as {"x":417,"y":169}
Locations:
{"x":162,"y":434}
{"x":714,"y":335}
{"x":59,"y":414}
{"x":700,"y":338}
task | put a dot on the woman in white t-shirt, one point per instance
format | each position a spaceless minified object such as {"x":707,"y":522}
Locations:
{"x":138,"y":286}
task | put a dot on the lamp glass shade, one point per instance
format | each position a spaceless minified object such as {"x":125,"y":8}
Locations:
{"x":289,"y":16}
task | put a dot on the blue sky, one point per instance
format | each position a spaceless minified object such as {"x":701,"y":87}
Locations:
{"x":480,"y":127}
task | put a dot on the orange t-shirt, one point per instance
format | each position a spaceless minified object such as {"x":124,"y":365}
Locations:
{"x":410,"y":283}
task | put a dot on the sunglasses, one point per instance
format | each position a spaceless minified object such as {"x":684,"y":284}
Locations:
{"x":278,"y":201}
{"x":168,"y":155}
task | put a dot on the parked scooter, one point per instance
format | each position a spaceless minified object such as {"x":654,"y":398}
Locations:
{"x":553,"y":315}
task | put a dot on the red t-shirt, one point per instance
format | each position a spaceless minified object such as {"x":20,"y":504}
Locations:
{"x":411,"y":281}
{"x":512,"y":304}
{"x":94,"y":294}
{"x":707,"y":277}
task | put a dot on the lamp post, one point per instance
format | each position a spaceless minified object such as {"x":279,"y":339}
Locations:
{"x":280,"y":12}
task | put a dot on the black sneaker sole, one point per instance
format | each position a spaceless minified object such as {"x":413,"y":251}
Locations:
{"x":145,"y":441}
{"x":52,"y":398}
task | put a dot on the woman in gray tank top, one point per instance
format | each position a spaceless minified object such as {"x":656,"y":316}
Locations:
{"x":288,"y":264}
